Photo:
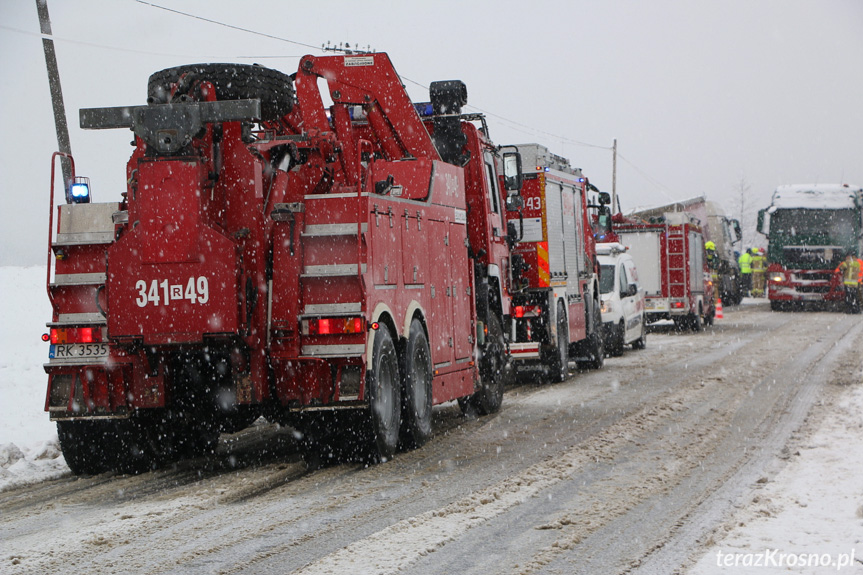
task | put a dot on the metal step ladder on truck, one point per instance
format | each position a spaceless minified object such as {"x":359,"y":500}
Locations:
{"x":718,"y":228}
{"x":555,"y":275}
{"x":669,"y":253}
{"x":810,"y":228}
{"x":339,"y":269}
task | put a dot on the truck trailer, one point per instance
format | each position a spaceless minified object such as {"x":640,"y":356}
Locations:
{"x":555,"y":277}
{"x":810,"y":228}
{"x":337,"y":268}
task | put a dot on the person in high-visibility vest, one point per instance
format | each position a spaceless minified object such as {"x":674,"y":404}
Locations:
{"x":745,"y":262}
{"x":860,"y":281}
{"x":758,"y":269}
{"x":851,"y":271}
{"x":713,"y":264}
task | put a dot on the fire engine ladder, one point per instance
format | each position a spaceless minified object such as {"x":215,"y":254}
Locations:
{"x":676,"y":252}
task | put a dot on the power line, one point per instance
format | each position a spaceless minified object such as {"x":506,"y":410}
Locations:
{"x":231,"y":26}
{"x":663,"y":189}
{"x":529,"y":129}
{"x":144,"y":52}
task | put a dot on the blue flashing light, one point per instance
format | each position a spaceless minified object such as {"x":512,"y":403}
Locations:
{"x":79,"y":191}
{"x":424,"y":109}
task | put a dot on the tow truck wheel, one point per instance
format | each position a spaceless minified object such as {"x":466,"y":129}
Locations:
{"x":559,"y":368}
{"x":495,"y":373}
{"x":83,"y":446}
{"x":232,"y":82}
{"x":384,"y":386}
{"x":135,"y":445}
{"x":417,"y":390}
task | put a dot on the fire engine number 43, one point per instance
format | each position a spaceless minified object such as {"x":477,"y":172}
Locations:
{"x":196,"y":290}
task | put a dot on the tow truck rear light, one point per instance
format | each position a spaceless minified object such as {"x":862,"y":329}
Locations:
{"x":333,"y":325}
{"x":677,"y":305}
{"x":76,"y":335}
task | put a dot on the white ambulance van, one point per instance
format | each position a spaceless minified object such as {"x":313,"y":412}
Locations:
{"x":622,"y":299}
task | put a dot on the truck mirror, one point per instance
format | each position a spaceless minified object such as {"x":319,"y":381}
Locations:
{"x":760,"y":226}
{"x":735,"y":224}
{"x":514,"y":202}
{"x":604,"y":198}
{"x":512,"y":233}
{"x":512,"y":175}
{"x":603,"y":219}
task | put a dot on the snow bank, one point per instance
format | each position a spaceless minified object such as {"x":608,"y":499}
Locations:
{"x":29,"y":451}
{"x":811,"y":511}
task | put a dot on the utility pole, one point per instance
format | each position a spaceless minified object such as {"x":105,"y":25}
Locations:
{"x":614,"y":176}
{"x":56,"y":93}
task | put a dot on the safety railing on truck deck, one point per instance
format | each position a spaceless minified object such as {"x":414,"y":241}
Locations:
{"x":51,"y":219}
{"x":361,"y":146}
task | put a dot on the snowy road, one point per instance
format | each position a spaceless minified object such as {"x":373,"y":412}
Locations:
{"x":628,"y":469}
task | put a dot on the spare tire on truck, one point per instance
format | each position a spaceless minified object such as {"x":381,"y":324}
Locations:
{"x":232,"y":82}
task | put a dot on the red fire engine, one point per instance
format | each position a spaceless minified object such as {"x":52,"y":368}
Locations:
{"x":556,"y":308}
{"x":338,"y":268}
{"x":669,"y":253}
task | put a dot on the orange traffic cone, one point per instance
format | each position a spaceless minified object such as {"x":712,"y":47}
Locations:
{"x":719,"y":309}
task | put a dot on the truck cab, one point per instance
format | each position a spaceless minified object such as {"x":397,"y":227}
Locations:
{"x":810,"y":228}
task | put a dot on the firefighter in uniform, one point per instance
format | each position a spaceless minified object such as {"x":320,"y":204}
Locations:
{"x":851,"y":272}
{"x":758,"y":269}
{"x":745,"y":262}
{"x":713,"y":264}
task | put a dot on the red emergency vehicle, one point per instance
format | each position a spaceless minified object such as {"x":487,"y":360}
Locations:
{"x":669,"y":253}
{"x":555,"y":299}
{"x":340,"y":268}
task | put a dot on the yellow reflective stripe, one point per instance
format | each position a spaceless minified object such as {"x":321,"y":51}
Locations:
{"x":542,"y":264}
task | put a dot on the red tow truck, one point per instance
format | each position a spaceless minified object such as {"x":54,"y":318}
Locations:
{"x":555,"y":294}
{"x":339,"y":268}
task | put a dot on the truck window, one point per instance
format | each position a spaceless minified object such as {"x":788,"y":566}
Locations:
{"x":494,"y":191}
{"x":494,"y":196}
{"x":631,"y":273}
{"x":815,"y":227}
{"x":606,"y":279}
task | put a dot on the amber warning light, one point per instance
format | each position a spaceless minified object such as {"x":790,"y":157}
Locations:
{"x":74,"y":335}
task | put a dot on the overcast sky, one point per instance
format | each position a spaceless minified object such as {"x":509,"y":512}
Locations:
{"x":702,"y":96}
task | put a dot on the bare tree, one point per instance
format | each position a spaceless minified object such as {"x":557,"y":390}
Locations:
{"x":745,"y":209}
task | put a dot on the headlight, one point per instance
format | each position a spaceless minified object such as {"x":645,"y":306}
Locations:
{"x":777,"y":277}
{"x":605,"y":307}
